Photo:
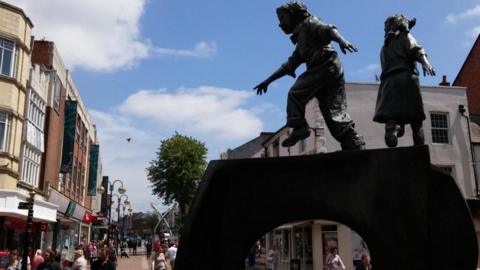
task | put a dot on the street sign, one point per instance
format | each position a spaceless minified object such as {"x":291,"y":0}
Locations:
{"x":25,"y":205}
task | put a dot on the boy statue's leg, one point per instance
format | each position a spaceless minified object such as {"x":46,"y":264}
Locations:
{"x":298,"y":98}
{"x":333,"y":104}
{"x":417,"y":133}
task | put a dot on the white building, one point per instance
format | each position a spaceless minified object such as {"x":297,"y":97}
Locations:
{"x":446,"y":133}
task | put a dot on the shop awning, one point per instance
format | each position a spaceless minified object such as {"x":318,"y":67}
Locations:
{"x":42,"y":211}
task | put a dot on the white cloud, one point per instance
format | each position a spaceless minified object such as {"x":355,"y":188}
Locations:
{"x":201,"y":50}
{"x":473,"y":32}
{"x":468,"y":14}
{"x":99,"y":35}
{"x":214,"y":115}
{"x":206,"y":110}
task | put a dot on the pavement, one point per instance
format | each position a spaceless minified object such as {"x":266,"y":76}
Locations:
{"x":141,"y":262}
{"x":138,"y":262}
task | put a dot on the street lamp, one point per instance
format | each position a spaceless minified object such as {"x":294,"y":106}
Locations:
{"x":125,"y":202}
{"x":121,"y":190}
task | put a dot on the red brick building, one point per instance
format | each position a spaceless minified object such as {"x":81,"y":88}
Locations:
{"x":469,"y":76}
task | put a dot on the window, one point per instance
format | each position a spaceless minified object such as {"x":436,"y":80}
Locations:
{"x":447,"y":169}
{"x":439,"y":127}
{"x":7,"y":49}
{"x":4,"y":131}
{"x":56,"y":94}
{"x":31,"y":166}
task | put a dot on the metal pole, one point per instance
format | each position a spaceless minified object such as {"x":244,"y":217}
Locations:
{"x":462,"y":110}
{"x":109,"y":214}
{"x":26,"y":243}
{"x":118,"y":220}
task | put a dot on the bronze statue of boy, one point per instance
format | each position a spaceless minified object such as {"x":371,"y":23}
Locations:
{"x":399,"y":101}
{"x":323,"y":78}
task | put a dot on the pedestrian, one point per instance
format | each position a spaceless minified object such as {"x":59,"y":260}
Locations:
{"x":399,"y":101}
{"x":171,"y":254}
{"x":123,"y":250}
{"x":112,"y":254}
{"x":158,"y":260}
{"x":14,"y":263}
{"x":134,"y":248}
{"x":272,"y":258}
{"x":365,"y":264}
{"x":334,"y":262}
{"x":322,"y":79}
{"x":49,"y":262}
{"x":80,"y":262}
{"x":37,"y":259}
{"x":103,"y":263}
{"x":148,"y":246}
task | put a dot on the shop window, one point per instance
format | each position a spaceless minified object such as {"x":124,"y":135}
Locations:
{"x":7,"y":53}
{"x":439,"y":121}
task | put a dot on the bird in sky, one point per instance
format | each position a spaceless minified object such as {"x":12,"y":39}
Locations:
{"x":129,"y":139}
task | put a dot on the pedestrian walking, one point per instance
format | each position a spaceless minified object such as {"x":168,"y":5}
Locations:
{"x":334,"y":262}
{"x":158,"y":260}
{"x":80,"y":262}
{"x":49,"y":262}
{"x":171,"y":254}
{"x":272,"y":258}
{"x":37,"y":259}
{"x":103,"y":263}
{"x":365,"y":264}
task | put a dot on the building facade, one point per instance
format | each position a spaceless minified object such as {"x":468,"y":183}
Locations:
{"x":307,"y":243}
{"x":71,"y":162}
{"x":22,"y":105}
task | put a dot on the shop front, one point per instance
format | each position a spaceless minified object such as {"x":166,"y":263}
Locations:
{"x":13,"y":221}
{"x":71,"y":227}
{"x":306,"y":245}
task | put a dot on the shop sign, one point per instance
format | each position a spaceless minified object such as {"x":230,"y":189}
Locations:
{"x":69,"y":136}
{"x":43,"y":227}
{"x":70,"y":209}
{"x":93,"y":170}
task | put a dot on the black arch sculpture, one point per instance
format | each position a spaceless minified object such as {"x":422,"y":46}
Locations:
{"x":411,"y":215}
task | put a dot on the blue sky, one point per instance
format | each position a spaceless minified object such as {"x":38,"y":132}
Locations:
{"x":148,"y":68}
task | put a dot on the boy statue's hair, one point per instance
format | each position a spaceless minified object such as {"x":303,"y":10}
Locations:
{"x":399,"y":22}
{"x":296,"y":9}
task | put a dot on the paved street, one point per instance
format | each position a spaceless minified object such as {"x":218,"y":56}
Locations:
{"x":138,"y":262}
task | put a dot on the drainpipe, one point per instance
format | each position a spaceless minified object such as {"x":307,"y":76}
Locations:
{"x":462,"y":111}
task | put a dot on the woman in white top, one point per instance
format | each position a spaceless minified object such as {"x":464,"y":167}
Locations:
{"x":158,"y":258}
{"x":334,"y":262}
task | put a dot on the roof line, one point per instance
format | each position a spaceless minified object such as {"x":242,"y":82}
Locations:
{"x":466,"y":59}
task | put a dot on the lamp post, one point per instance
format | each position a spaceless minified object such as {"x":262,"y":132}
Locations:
{"x":121,"y":190}
{"x":125,"y":202}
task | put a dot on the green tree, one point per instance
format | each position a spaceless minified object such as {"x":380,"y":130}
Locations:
{"x":177,"y":170}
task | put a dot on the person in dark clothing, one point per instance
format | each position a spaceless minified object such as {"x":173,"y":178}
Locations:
{"x":322,"y":79}
{"x":49,"y":262}
{"x":365,"y":263}
{"x":399,"y":100}
{"x":103,"y":263}
{"x":148,"y":246}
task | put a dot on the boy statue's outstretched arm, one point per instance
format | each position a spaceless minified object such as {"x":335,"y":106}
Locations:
{"x":344,"y":44}
{"x":427,"y":67}
{"x":263,"y":86}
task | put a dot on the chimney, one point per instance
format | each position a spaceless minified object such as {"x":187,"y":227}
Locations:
{"x":444,"y":81}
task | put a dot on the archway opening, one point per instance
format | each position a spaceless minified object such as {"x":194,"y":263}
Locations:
{"x":307,"y":245}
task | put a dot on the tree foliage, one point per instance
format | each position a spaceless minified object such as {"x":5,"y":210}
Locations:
{"x":177,"y":170}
